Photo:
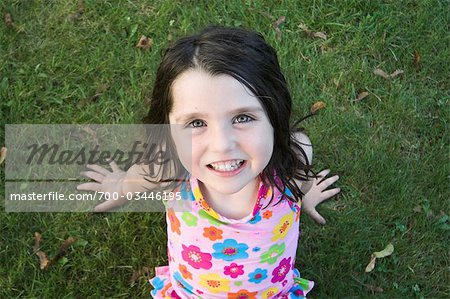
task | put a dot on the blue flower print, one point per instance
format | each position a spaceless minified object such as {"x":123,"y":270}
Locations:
{"x":179,"y":279}
{"x":257,"y":218}
{"x":258,"y":275}
{"x":296,"y":292}
{"x":186,"y":193}
{"x":158,"y":284}
{"x":230,"y":250}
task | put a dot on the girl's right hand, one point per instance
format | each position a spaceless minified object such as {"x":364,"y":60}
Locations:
{"x":107,"y":182}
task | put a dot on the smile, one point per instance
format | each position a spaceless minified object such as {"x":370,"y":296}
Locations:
{"x":226,"y":166}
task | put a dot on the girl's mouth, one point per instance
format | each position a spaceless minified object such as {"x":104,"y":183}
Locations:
{"x":227,"y":167}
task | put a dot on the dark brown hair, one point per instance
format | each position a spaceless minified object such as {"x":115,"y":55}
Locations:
{"x":244,"y":55}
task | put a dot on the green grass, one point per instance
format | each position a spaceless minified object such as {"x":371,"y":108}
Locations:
{"x":390,"y":149}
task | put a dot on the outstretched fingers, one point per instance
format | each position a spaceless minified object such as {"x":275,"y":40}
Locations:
{"x":94,"y":175}
{"x":114,"y":166}
{"x":90,"y":187}
{"x":316,"y":217}
{"x":325,"y":183}
{"x":98,"y":169}
{"x":328,"y":194}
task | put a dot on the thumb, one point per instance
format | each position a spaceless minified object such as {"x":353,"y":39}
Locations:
{"x":317,"y":217}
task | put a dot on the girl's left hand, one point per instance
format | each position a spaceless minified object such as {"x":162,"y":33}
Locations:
{"x":316,"y":195}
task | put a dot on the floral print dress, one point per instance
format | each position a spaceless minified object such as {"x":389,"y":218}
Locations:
{"x":211,"y":256}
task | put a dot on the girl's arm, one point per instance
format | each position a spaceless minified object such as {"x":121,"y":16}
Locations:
{"x":314,"y":189}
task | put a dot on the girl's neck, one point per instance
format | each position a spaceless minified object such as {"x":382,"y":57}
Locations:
{"x":232,"y":206}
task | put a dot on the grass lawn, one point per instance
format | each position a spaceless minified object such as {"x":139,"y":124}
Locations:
{"x":391,"y":148}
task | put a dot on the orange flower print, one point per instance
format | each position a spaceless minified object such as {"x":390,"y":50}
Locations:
{"x":267,"y":214}
{"x":166,"y":288}
{"x":242,"y":294}
{"x":212,"y":233}
{"x":184,"y":271}
{"x":297,"y":213}
{"x":174,"y":222}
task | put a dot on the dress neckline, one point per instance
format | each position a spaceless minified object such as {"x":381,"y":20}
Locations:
{"x":264,"y":191}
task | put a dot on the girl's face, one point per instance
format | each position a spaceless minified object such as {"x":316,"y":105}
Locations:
{"x":224,"y":137}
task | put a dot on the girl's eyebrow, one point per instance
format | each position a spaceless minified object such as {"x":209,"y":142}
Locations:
{"x":189,"y":116}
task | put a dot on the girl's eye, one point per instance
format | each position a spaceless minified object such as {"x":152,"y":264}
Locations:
{"x":243,"y":118}
{"x":196,"y":123}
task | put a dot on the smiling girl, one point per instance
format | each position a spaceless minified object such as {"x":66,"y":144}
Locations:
{"x":246,"y":175}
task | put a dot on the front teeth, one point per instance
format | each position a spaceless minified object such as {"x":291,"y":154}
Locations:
{"x":227,"y":166}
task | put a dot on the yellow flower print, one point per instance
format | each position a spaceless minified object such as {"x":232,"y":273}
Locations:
{"x":215,"y":283}
{"x":197,"y":192}
{"x":269,"y":293}
{"x":281,"y":229}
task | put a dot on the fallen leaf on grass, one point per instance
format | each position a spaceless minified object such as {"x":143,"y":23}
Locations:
{"x":318,"y":34}
{"x":44,"y":261}
{"x":93,"y":99}
{"x":371,"y":265}
{"x":138,"y":274}
{"x":317,"y":106}
{"x":416,"y":61}
{"x":76,"y":15}
{"x":361,"y":96}
{"x":417,"y":209}
{"x":379,"y":254}
{"x":381,"y":73}
{"x":3,"y":154}
{"x":144,"y":43}
{"x":276,"y":26}
{"x":396,"y":73}
{"x":8,"y":19}
{"x":92,"y":133}
{"x":387,"y":251}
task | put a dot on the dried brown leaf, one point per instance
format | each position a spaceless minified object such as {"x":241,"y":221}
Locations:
{"x":44,"y":262}
{"x":387,"y":251}
{"x":80,"y":6}
{"x":320,"y":34}
{"x":395,"y":74}
{"x":144,"y":43}
{"x":310,"y":33}
{"x":304,"y":27}
{"x":37,"y":242}
{"x":3,"y":154}
{"x":138,"y":274}
{"x":317,"y":106}
{"x":76,"y":15}
{"x":276,"y":25}
{"x":8,"y":19}
{"x":416,"y":58}
{"x":371,"y":265}
{"x":91,"y":132}
{"x":361,"y":96}
{"x":381,"y":73}
{"x":63,"y":249}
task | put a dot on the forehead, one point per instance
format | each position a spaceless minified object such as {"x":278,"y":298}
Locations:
{"x":197,"y":90}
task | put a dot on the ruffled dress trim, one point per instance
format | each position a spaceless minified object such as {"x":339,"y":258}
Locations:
{"x":163,"y":288}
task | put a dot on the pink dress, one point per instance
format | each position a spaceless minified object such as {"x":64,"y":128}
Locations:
{"x":211,"y":256}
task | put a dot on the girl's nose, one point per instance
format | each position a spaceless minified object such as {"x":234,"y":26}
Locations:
{"x":222,"y":139}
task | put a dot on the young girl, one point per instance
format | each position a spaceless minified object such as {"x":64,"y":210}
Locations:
{"x":243,"y":174}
